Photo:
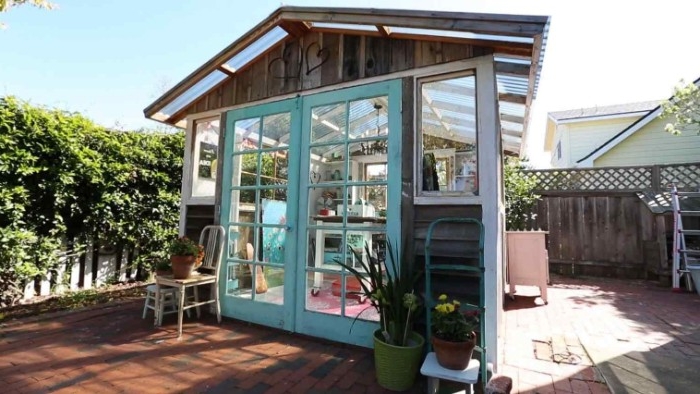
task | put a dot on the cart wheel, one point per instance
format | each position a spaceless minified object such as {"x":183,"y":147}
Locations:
{"x":314,"y":292}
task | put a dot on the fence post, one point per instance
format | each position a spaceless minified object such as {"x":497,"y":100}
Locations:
{"x":655,"y":177}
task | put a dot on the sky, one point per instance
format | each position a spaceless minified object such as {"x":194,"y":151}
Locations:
{"x":109,"y":59}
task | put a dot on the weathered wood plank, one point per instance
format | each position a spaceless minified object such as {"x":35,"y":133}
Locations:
{"x":452,"y":52}
{"x":244,"y":83}
{"x":314,"y":57}
{"x":351,"y":58}
{"x":402,"y":55}
{"x":377,"y":56}
{"x":258,"y":87}
{"x":407,"y":157}
{"x":275,"y":71}
{"x":332,"y":70}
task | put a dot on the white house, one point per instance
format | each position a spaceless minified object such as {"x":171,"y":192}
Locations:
{"x":617,"y":135}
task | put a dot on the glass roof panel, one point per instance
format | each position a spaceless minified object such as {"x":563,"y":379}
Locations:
{"x":343,"y":26}
{"x":256,"y":48}
{"x":511,"y":84}
{"x":194,"y":92}
{"x":458,"y":34}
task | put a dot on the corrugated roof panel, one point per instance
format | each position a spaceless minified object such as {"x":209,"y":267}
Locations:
{"x":458,"y":34}
{"x":512,"y":85}
{"x":193,"y":93}
{"x":344,"y":26}
{"x":256,"y":48}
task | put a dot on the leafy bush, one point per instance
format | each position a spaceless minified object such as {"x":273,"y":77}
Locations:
{"x":520,"y":198}
{"x":65,"y":181}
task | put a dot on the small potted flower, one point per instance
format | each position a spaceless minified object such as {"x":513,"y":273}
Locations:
{"x":453,"y":335}
{"x":183,"y":254}
{"x":163,"y":267}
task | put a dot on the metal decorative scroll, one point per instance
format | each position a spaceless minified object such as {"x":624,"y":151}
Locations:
{"x":314,"y":56}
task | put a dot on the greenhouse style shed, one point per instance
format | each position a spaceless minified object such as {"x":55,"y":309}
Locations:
{"x":324,"y":133}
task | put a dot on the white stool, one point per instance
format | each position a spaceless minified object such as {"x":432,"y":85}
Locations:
{"x":435,"y":372}
{"x":168,"y":298}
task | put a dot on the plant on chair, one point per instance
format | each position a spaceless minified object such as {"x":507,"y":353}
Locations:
{"x":183,"y":254}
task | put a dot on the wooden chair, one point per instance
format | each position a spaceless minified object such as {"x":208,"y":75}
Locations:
{"x":213,"y":240}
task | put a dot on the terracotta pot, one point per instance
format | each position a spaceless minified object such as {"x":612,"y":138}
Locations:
{"x":182,"y":266}
{"x":453,"y":355}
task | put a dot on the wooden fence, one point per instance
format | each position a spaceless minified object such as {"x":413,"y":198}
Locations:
{"x":599,"y":226}
{"x":82,"y":270}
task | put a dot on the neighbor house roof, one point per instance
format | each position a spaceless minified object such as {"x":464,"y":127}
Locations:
{"x":631,"y":129}
{"x":593,"y":113}
{"x":518,"y":43}
{"x":606,"y":110}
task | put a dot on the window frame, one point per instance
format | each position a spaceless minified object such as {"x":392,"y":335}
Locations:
{"x":435,"y":198}
{"x":189,"y":162}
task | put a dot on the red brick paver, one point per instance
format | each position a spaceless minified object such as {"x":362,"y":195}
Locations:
{"x":594,"y":313}
{"x":111,"y":349}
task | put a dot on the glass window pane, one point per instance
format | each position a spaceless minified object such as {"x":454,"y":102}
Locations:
{"x":328,"y":123}
{"x":273,"y":278}
{"x":274,"y":169}
{"x":247,"y":134}
{"x":368,"y":117}
{"x":448,"y":135}
{"x":204,"y":158}
{"x":276,"y":129}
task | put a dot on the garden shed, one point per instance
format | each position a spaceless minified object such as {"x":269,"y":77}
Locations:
{"x":324,"y":133}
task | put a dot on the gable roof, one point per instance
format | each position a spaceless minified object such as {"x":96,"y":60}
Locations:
{"x":606,"y":110}
{"x":631,"y":129}
{"x":518,"y":43}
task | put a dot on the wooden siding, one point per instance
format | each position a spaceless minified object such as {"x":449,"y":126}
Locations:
{"x":321,"y":59}
{"x":196,"y":217}
{"x":652,"y":145}
{"x":584,"y":137}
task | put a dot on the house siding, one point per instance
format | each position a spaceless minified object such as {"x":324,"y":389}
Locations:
{"x":587,"y":136}
{"x":652,"y":145}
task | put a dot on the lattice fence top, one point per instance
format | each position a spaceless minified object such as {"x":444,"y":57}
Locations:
{"x":622,"y":179}
{"x":684,"y":177}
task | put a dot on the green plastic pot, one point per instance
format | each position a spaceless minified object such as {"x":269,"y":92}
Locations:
{"x":396,"y":367}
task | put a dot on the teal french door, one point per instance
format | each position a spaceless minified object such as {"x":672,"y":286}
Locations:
{"x":309,"y":182}
{"x":258,"y":211}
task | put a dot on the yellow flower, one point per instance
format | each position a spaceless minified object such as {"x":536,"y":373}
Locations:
{"x":443,"y":297}
{"x":456,"y":303}
{"x":450,"y":308}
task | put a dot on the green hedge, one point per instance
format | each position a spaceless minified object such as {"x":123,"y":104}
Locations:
{"x":65,"y":181}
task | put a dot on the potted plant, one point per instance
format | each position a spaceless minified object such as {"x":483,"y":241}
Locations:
{"x":398,"y":349}
{"x":453,"y":336}
{"x":183,"y":253}
{"x":163,"y":267}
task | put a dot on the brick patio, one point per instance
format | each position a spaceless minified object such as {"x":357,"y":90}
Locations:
{"x":111,"y":349}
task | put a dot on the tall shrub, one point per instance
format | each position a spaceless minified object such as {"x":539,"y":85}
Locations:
{"x":521,"y":201}
{"x":65,"y":180}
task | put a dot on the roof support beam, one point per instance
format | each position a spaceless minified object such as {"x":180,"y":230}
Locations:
{"x":493,"y":24}
{"x":513,"y":69}
{"x":512,"y":98}
{"x":295,"y":28}
{"x":383,"y":30}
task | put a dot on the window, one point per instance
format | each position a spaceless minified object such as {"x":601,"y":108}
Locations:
{"x":447,"y":146}
{"x":559,"y":150}
{"x":204,"y":154}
